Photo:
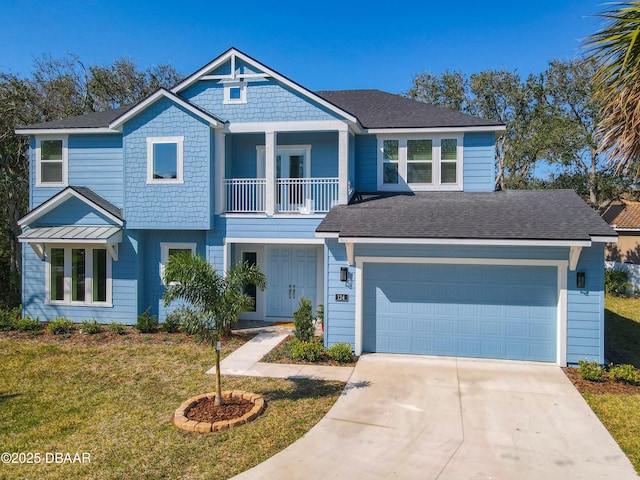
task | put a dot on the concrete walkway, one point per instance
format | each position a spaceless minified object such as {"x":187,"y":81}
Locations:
{"x":409,"y":417}
{"x":245,"y":360}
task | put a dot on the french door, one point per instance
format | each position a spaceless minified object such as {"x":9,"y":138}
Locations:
{"x":291,"y":274}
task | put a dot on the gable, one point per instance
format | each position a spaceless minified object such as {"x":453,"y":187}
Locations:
{"x":267,"y":100}
{"x":72,"y":212}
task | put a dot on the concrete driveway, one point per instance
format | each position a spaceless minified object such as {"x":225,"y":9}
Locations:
{"x":447,"y":418}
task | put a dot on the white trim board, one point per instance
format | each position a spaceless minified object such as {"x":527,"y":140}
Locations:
{"x":64,"y":131}
{"x":286,"y":126}
{"x":562,"y":302}
{"x":276,"y":241}
{"x":465,"y":241}
{"x":488,"y":128}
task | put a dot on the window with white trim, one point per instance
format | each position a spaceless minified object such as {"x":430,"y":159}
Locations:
{"x":412,"y":162}
{"x":235,"y":92}
{"x":51,"y":162}
{"x":171,"y":248}
{"x":78,"y":275}
{"x":165,"y":160}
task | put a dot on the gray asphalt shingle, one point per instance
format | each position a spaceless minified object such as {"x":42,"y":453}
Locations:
{"x":378,"y":109}
{"x":512,"y":215}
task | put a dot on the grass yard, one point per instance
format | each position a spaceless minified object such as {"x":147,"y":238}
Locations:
{"x":115,"y":402}
{"x":621,"y":413}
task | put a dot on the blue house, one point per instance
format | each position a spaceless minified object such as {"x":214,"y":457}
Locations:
{"x":379,"y":207}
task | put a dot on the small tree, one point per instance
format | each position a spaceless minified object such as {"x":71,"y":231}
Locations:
{"x":215,"y":300}
{"x":303,"y":321}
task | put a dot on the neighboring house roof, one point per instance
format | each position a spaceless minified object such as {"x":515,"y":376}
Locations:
{"x":378,"y":109}
{"x":559,"y":215}
{"x":623,"y":215}
{"x":83,"y":193}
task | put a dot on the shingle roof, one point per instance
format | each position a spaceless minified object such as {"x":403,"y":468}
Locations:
{"x":511,"y":215}
{"x":378,"y":109}
{"x":98,"y":200}
{"x":623,"y":214}
{"x":90,"y":120}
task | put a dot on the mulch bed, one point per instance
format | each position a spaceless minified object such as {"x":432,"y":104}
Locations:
{"x":131,"y":337}
{"x":281,"y":354}
{"x":606,"y":386}
{"x":206,"y":411}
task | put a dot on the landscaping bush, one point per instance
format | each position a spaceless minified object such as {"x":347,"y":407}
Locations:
{"x":341,"y":352}
{"x":147,"y":323}
{"x":303,"y":321}
{"x":60,"y":326}
{"x":90,"y":327}
{"x":309,"y":351}
{"x":591,"y":371}
{"x":616,"y":281}
{"x":8,"y":318}
{"x":172,"y":322}
{"x":27,"y":324}
{"x":624,"y":373}
{"x":320,"y":314}
{"x":117,"y":328}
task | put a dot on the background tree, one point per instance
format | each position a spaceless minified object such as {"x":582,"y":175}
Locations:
{"x":58,"y":88}
{"x":616,"y":49}
{"x":215,"y":301}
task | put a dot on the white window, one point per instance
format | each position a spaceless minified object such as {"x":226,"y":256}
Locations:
{"x":411,"y":162}
{"x":235,"y":92}
{"x":51,"y":162}
{"x":78,"y":275}
{"x":171,"y":248}
{"x":165,"y":160}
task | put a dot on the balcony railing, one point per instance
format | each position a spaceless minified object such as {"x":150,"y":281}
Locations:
{"x":245,"y":195}
{"x":291,"y":195}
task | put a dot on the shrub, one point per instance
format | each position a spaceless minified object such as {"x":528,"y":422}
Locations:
{"x":8,"y":318}
{"x":90,"y":327}
{"x":320,"y":314}
{"x":303,"y":321}
{"x":591,"y":371}
{"x":117,"y":328}
{"x":616,"y":281}
{"x":624,"y":373}
{"x":309,"y":351}
{"x":147,"y":323}
{"x":341,"y":352}
{"x":27,"y":324}
{"x":172,"y":322}
{"x":60,"y":326}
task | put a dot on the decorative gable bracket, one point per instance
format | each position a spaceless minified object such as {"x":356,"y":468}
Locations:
{"x":574,"y":256}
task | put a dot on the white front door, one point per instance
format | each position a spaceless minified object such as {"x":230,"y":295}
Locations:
{"x":291,"y":274}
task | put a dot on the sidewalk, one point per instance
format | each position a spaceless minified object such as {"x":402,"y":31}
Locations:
{"x":245,"y":361}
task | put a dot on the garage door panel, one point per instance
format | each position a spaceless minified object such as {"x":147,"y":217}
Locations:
{"x":462,"y":310}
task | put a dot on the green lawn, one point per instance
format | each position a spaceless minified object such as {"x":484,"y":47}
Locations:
{"x":116,"y":402}
{"x":621,"y":413}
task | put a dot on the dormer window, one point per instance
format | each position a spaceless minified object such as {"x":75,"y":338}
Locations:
{"x":420,"y":163}
{"x":235,"y":93}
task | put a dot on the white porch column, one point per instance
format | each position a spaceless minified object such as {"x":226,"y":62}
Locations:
{"x":219,"y":172}
{"x":343,"y":167}
{"x":270,"y":139}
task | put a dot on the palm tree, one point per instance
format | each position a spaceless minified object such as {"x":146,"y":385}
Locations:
{"x":616,"y":48}
{"x":214,"y":300}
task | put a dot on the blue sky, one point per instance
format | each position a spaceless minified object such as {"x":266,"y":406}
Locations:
{"x":322,"y":45}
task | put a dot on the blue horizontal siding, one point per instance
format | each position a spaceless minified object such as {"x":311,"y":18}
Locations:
{"x":479,"y":162}
{"x":463,"y":251}
{"x":585,"y":312}
{"x":266,"y":227}
{"x":339,"y":316}
{"x":124,"y":290}
{"x":366,"y":163}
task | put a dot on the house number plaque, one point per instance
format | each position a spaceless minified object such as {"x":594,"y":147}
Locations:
{"x":342,"y":297}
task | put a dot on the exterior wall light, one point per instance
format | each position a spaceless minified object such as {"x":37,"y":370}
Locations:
{"x":580,"y":280}
{"x":344,"y":274}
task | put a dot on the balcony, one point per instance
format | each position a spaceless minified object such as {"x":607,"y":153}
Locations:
{"x":291,"y":195}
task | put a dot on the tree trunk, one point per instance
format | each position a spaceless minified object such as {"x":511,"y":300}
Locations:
{"x":218,"y":400}
{"x":593,"y":188}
